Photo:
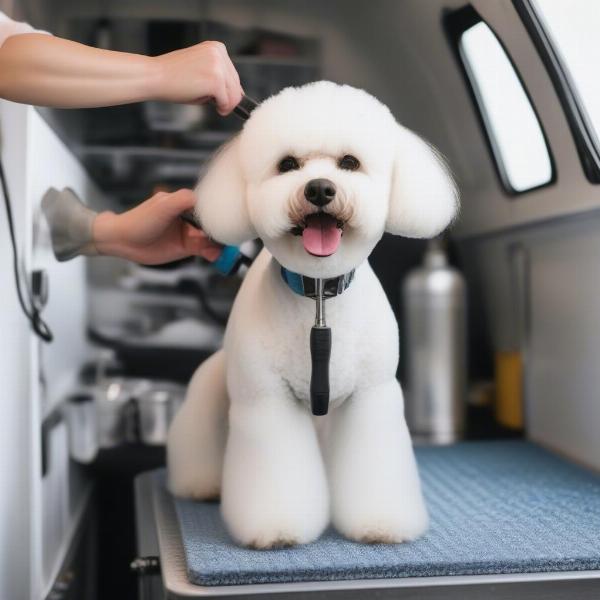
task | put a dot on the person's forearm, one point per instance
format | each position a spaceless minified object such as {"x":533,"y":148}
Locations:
{"x":48,"y":71}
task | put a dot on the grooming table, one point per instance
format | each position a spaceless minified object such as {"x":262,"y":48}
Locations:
{"x":508,"y":520}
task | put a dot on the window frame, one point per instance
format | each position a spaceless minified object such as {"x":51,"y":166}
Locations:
{"x":456,"y":23}
{"x":583,"y":132}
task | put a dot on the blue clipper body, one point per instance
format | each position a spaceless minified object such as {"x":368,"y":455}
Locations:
{"x":230,"y":260}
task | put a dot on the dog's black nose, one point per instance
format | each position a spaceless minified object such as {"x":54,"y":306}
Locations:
{"x":319,"y":191}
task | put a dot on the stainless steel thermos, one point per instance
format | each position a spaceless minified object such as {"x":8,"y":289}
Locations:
{"x":434,"y":326}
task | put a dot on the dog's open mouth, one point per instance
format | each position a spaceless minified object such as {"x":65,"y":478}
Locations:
{"x":321,"y":233}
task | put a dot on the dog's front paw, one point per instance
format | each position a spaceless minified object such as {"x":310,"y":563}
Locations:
{"x":271,"y":523}
{"x":278,"y":538}
{"x":392,"y":525}
{"x":275,"y":531}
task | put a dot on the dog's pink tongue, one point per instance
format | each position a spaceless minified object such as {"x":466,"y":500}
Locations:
{"x":321,"y":236}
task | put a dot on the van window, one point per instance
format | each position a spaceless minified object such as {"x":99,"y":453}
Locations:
{"x":571,"y":31}
{"x":514,"y":132}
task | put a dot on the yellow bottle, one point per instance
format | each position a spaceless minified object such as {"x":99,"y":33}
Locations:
{"x":509,"y":389}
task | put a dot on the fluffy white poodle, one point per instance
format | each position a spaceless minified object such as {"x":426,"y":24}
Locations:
{"x":318,"y":173}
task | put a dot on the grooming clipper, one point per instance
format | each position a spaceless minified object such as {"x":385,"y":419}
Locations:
{"x":230,"y":259}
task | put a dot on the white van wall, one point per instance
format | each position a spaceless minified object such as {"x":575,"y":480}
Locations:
{"x":38,"y":516}
{"x":16,"y":453}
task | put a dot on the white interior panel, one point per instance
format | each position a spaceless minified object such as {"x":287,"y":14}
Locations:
{"x":563,"y":379}
{"x":36,"y":515}
{"x":561,"y":339}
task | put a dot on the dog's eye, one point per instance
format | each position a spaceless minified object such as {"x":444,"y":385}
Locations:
{"x":289,"y":163}
{"x":349,"y":163}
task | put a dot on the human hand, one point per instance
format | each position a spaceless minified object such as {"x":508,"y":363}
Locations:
{"x":196,"y":75}
{"x":152,"y":233}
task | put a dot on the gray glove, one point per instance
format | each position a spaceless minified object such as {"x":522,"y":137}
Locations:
{"x":70,"y":222}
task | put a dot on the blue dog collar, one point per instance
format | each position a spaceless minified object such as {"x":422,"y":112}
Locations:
{"x":307,"y":286}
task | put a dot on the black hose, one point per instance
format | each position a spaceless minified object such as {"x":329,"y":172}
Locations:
{"x":39,"y":326}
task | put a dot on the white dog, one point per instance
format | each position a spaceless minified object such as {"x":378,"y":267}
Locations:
{"x":318,"y":173}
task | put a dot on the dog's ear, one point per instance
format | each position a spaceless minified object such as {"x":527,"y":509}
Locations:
{"x":221,"y":198}
{"x":423,"y":196}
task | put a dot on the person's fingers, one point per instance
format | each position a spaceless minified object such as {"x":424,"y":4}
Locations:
{"x":222,"y":99}
{"x":217,"y":54}
{"x":210,"y":253}
{"x":183,"y":198}
{"x":221,"y":90}
{"x":234,"y":94}
{"x":198,"y":243}
{"x":232,"y":82}
{"x":237,"y":83}
{"x":198,"y":237}
{"x":154,"y":199}
{"x":175,"y":203}
{"x":233,"y":85}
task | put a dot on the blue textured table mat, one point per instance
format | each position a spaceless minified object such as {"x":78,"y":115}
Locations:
{"x":495,"y":507}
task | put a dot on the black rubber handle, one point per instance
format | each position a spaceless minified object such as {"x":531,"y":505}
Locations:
{"x":320,"y":353}
{"x":245,"y":107}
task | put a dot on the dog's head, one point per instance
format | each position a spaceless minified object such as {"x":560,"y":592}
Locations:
{"x":319,"y":173}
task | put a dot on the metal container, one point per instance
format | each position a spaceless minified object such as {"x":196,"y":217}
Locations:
{"x":81,"y":419}
{"x":156,"y":409}
{"x":120,"y":410}
{"x":116,"y":413}
{"x":434,"y":298}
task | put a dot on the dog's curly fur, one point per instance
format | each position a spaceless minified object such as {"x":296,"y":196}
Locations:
{"x":246,"y":428}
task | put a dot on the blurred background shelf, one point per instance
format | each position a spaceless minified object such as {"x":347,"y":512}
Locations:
{"x":132,"y":150}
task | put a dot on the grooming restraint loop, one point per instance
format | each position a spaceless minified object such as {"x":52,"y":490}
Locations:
{"x":320,"y":335}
